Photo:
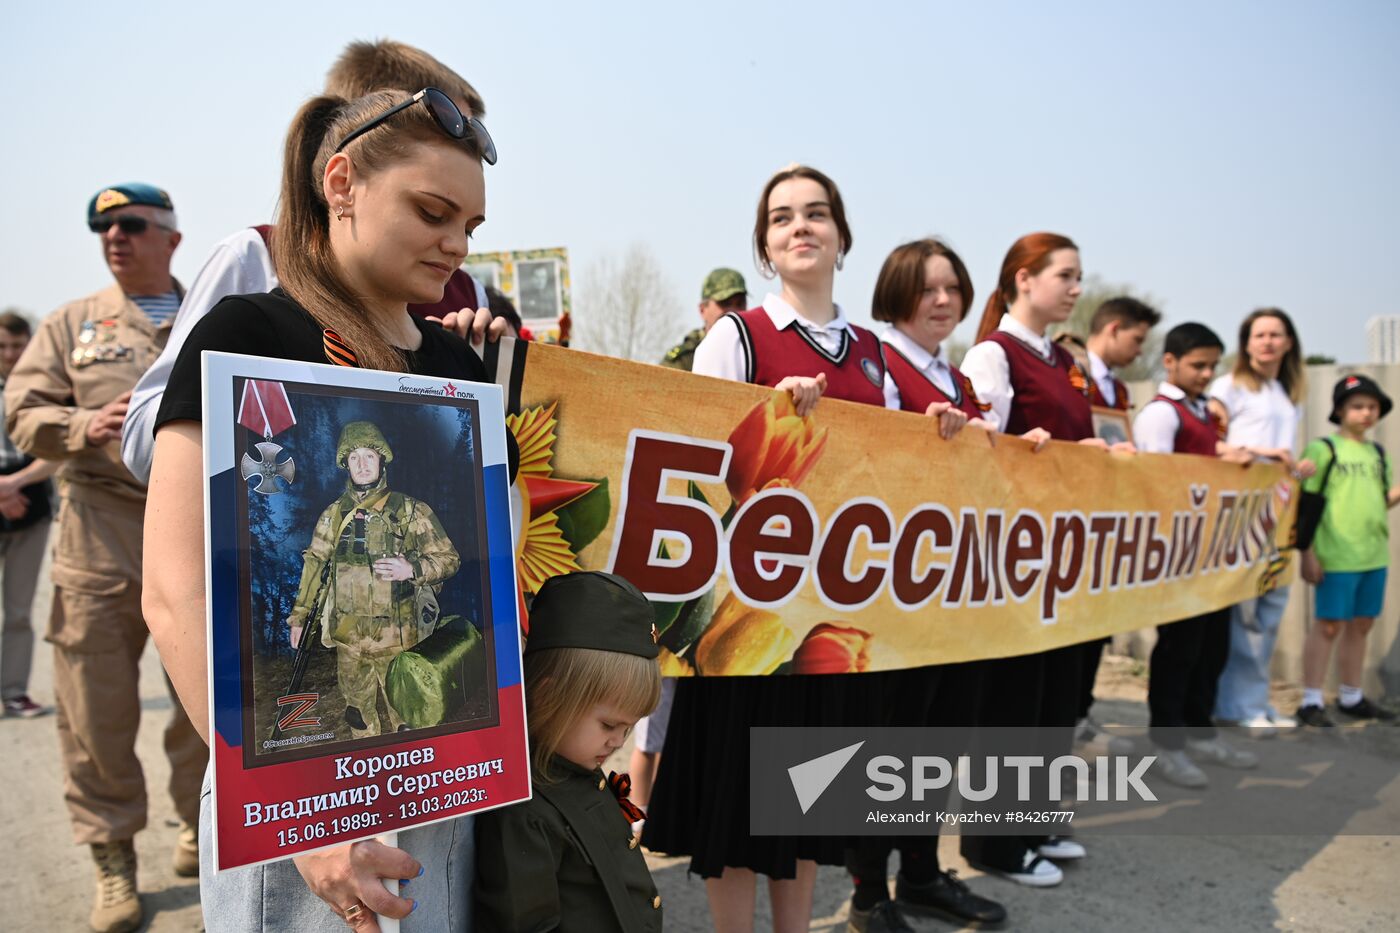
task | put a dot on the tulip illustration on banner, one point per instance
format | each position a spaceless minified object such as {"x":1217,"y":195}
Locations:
{"x":742,"y":640}
{"x":832,"y":649}
{"x":773,"y":447}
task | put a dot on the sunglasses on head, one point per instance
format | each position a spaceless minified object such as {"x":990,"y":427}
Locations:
{"x":129,"y":224}
{"x":447,"y":116}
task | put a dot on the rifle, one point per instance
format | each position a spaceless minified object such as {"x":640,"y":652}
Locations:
{"x":310,"y":634}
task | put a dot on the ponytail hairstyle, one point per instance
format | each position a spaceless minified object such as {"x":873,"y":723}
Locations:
{"x":900,"y":285}
{"x":1032,"y":253}
{"x":1292,"y":374}
{"x":301,"y":250}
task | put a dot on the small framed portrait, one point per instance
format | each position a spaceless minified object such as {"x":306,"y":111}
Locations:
{"x":1112,"y":425}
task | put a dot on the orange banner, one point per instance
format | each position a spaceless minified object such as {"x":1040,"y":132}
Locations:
{"x":857,"y":539}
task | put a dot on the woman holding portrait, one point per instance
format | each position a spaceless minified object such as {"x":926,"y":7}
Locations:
{"x":379,"y":197}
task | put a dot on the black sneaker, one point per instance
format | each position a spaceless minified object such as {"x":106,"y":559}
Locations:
{"x":884,"y":917}
{"x":948,"y":897}
{"x":1365,"y":709}
{"x":1314,"y":716}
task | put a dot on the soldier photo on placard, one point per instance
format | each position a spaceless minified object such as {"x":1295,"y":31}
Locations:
{"x":366,"y":590}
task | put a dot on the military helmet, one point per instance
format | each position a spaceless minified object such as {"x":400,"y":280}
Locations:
{"x":362,"y":434}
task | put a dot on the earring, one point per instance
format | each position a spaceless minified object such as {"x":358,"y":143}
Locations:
{"x":840,"y":260}
{"x":339,"y":209}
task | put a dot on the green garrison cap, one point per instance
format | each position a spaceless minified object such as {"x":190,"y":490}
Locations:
{"x":721,"y":284}
{"x":592,"y":609}
{"x":133,"y":192}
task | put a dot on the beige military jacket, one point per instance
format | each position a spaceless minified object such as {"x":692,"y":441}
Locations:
{"x":83,"y":356}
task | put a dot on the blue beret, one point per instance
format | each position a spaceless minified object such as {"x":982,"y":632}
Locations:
{"x":127,"y":194}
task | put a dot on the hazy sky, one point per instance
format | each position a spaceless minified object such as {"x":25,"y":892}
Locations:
{"x":1219,"y":156}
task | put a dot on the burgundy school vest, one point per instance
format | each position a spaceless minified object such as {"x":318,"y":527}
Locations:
{"x":855,"y":373}
{"x":917,"y":391}
{"x":460,"y":291}
{"x":1193,"y":435}
{"x":1044,"y":395}
{"x":1120,"y":394}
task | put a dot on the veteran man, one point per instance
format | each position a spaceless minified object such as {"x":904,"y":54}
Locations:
{"x":382,"y":557}
{"x":723,"y":291}
{"x":65,"y":400}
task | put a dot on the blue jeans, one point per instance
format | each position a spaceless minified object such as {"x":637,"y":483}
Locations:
{"x":1243,"y":692}
{"x":274,"y":897}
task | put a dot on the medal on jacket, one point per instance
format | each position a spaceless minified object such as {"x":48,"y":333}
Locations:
{"x":266,"y":411}
{"x":97,"y":343}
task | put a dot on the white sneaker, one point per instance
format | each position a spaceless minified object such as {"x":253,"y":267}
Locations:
{"x":1281,"y":721}
{"x":1062,"y":848}
{"x":1217,"y":751}
{"x":1260,"y":726}
{"x":1036,"y":872}
{"x":1180,"y":770}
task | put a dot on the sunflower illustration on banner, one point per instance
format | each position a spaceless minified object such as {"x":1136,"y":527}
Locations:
{"x":557,"y":518}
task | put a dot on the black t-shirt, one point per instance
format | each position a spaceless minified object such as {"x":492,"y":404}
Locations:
{"x":275,"y":326}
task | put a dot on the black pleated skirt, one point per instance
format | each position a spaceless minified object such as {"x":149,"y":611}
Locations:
{"x":700,"y":802}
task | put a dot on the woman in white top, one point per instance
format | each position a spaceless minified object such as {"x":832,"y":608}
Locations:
{"x":1261,"y":398}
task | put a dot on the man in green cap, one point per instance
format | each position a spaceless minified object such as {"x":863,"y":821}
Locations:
{"x":388,"y":557}
{"x":724,"y":291}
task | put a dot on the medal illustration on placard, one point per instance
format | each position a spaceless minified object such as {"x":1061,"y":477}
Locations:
{"x":266,"y":410}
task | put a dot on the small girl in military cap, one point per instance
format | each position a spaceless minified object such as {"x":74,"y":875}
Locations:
{"x":567,"y":859}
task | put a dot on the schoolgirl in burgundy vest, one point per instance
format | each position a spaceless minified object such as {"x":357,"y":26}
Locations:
{"x":917,"y":391}
{"x":1050,"y":394}
{"x":855,"y":373}
{"x":1194,"y":434}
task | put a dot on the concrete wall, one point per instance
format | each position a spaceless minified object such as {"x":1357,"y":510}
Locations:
{"x":1383,"y":654}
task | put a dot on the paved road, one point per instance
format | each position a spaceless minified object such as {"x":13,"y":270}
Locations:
{"x":1127,"y":883}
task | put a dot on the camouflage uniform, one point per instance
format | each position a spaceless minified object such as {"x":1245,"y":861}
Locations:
{"x":369,"y":620}
{"x":682,"y":355}
{"x":720,"y":285}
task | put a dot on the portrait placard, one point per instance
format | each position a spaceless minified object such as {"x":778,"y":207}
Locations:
{"x":1112,"y":425}
{"x":364,"y":643}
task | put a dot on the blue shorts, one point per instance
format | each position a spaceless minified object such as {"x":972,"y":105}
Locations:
{"x":1344,"y":596}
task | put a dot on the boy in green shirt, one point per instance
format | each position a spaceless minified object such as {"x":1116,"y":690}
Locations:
{"x":1348,"y":558}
